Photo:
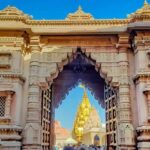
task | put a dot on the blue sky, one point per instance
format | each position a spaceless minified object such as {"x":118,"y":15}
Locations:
{"x":58,"y":9}
{"x":67,"y":111}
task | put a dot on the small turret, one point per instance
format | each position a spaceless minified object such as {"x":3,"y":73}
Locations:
{"x":142,"y":14}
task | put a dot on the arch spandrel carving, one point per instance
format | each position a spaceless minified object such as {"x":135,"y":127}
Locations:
{"x":107,"y":67}
{"x":56,"y":57}
{"x":60,"y":56}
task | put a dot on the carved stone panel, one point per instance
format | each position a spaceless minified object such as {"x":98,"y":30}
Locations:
{"x":5,"y":58}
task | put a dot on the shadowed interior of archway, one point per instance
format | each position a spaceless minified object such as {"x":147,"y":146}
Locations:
{"x":80,"y":70}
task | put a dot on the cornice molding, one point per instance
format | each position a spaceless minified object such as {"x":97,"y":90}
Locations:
{"x":25,"y":22}
{"x":11,"y":75}
{"x":142,"y":75}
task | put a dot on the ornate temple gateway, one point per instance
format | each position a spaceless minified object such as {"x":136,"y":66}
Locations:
{"x":41,"y":60}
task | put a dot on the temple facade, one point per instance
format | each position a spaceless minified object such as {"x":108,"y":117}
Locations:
{"x":41,"y":60}
{"x":92,"y":127}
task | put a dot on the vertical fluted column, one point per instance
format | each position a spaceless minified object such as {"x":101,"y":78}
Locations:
{"x":125,"y":127}
{"x":32,"y":132}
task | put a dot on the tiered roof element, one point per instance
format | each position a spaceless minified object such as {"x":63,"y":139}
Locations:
{"x":79,"y":15}
{"x":142,"y":14}
{"x":77,"y":22}
{"x":13,"y":13}
{"x":93,"y":121}
{"x":81,"y":117}
{"x":87,"y":118}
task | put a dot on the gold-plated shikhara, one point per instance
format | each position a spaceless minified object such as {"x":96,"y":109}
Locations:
{"x":83,"y":113}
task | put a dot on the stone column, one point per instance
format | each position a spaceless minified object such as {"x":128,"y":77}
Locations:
{"x":142,"y":83}
{"x":144,"y":130}
{"x":147,"y":93}
{"x":8,"y":104}
{"x":32,"y":131}
{"x":125,"y":127}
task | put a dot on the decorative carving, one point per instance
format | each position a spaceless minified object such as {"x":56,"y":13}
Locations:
{"x":142,"y":14}
{"x":72,"y":41}
{"x":147,"y":93}
{"x":79,"y":15}
{"x":12,"y":13}
{"x":5,"y":60}
{"x":32,"y":133}
{"x":126,"y":134}
{"x":110,"y":60}
{"x":144,"y":136}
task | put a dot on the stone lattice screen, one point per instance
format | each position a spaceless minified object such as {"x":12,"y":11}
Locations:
{"x":2,"y":106}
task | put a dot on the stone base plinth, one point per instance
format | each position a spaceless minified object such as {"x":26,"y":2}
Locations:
{"x":31,"y":147}
{"x":126,"y":148}
{"x":8,"y":145}
{"x":144,"y":146}
{"x":144,"y":137}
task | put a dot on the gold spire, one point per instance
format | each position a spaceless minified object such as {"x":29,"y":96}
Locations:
{"x":145,"y":3}
{"x":79,"y":8}
{"x":82,"y":116}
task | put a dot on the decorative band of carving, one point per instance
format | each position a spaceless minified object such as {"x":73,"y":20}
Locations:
{"x":19,"y":76}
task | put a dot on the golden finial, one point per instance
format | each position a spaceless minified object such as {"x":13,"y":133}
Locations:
{"x":83,"y":113}
{"x":145,"y":3}
{"x":82,"y":86}
{"x":79,"y":8}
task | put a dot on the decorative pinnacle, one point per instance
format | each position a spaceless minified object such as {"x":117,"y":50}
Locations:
{"x":82,"y":86}
{"x":79,"y":8}
{"x":145,"y":3}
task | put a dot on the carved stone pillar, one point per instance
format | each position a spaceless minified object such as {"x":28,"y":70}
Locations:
{"x":32,"y":131}
{"x":144,"y":130}
{"x":8,"y":104}
{"x":147,"y":93}
{"x":125,"y":127}
{"x":142,"y":83}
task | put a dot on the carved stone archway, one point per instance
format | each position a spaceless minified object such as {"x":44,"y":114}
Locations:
{"x":33,"y":52}
{"x":82,"y":69}
{"x":108,"y":73}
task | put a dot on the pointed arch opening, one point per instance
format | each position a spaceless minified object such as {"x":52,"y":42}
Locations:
{"x":80,"y":69}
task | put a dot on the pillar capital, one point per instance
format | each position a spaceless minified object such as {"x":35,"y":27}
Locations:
{"x":123,"y":42}
{"x":35,"y":43}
